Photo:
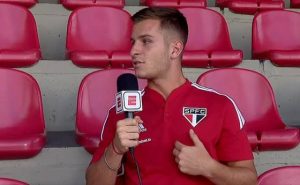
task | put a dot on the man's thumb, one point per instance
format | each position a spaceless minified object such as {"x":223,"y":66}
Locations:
{"x":195,"y":138}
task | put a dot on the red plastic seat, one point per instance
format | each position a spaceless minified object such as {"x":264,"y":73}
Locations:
{"x":8,"y":181}
{"x":250,"y":6}
{"x":208,"y":43}
{"x":73,"y":4}
{"x":295,"y":3}
{"x":95,"y":97}
{"x":254,"y":96}
{"x":287,"y":175}
{"x":95,"y":43}
{"x":275,"y":37}
{"x":22,"y":128}
{"x":19,"y":43}
{"x":175,"y":3}
{"x":25,"y":3}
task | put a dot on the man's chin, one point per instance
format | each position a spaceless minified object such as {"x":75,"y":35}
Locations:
{"x":141,"y":76}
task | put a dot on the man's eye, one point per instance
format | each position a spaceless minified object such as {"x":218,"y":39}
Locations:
{"x":146,"y":41}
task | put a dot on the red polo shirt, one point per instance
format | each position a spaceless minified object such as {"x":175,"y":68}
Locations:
{"x":213,"y":116}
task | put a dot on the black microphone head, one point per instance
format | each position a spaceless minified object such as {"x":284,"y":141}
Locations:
{"x":127,"y":81}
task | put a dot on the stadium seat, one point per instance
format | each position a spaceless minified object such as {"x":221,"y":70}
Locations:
{"x":286,"y":175}
{"x":95,"y":43}
{"x":254,"y":96}
{"x":22,"y":128}
{"x":25,"y":3}
{"x":95,"y":97}
{"x":250,"y":6}
{"x":73,"y":4}
{"x":275,"y":37}
{"x":208,"y":43}
{"x":19,"y":43}
{"x":295,"y":3}
{"x":175,"y":3}
{"x":8,"y":181}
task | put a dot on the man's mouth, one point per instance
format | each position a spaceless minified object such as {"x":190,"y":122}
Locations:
{"x":136,"y":62}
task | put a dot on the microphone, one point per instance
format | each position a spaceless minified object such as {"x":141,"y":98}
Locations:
{"x":128,"y":98}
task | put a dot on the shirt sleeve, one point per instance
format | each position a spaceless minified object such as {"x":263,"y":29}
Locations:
{"x":107,"y":135}
{"x":233,"y":144}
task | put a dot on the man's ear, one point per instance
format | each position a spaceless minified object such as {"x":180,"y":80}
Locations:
{"x":176,"y":49}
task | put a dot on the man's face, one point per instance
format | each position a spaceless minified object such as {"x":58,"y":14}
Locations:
{"x":150,"y":50}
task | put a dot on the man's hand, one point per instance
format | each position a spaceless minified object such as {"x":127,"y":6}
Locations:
{"x":193,"y":160}
{"x":127,"y":134}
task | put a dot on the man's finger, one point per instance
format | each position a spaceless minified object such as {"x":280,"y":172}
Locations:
{"x":176,"y":152}
{"x":131,"y":143}
{"x":195,"y":138}
{"x":131,"y":129}
{"x":138,"y":119}
{"x":127,"y":122}
{"x":179,"y":145}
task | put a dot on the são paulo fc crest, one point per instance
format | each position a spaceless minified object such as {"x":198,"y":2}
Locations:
{"x":194,"y":115}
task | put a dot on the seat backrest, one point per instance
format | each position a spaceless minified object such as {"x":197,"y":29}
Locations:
{"x":73,"y":4}
{"x":252,"y":93}
{"x":176,"y":3}
{"x":18,"y":29}
{"x":259,"y":1}
{"x":21,"y":110}
{"x":25,"y":3}
{"x":99,"y":29}
{"x":287,"y":175}
{"x":295,"y":3}
{"x":248,"y":3}
{"x":8,"y":181}
{"x":96,"y":96}
{"x":207,"y":30}
{"x":275,"y":30}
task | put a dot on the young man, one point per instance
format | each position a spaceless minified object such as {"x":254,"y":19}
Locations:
{"x":193,"y":135}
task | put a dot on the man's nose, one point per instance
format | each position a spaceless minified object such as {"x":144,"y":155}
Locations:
{"x":135,"y":50}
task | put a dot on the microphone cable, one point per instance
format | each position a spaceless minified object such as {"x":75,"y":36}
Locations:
{"x":131,"y":150}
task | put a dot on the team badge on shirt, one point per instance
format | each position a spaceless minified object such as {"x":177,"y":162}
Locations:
{"x":194,"y":115}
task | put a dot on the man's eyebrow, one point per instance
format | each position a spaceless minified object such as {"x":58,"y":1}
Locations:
{"x":142,"y":36}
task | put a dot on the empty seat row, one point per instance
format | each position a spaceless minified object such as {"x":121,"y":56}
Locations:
{"x":23,"y":133}
{"x":237,"y":6}
{"x":98,"y":44}
{"x":264,"y":126}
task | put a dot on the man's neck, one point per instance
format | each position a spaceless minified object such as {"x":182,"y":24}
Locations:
{"x":166,"y":85}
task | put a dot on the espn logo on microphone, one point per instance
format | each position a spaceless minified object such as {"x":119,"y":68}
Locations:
{"x":128,"y":101}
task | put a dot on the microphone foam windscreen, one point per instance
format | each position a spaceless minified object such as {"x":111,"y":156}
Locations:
{"x":127,"y":81}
